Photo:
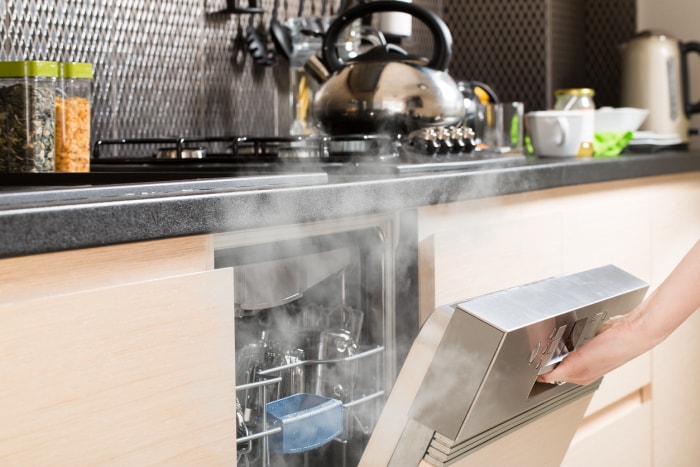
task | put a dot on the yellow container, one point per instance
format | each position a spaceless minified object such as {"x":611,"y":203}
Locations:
{"x":73,"y":117}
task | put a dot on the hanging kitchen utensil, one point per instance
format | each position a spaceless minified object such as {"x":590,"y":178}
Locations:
{"x":281,"y":35}
{"x":256,"y":42}
{"x":386,"y":90}
{"x":233,"y":8}
{"x":238,"y":45}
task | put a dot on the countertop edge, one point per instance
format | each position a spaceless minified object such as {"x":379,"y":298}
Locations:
{"x":41,"y":229}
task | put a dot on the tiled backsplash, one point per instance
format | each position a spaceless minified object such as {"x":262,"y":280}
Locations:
{"x":176,"y":68}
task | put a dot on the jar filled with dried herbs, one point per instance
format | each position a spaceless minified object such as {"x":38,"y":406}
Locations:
{"x":27,"y":116}
{"x":73,"y":117}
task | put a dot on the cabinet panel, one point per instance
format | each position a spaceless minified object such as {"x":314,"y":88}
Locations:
{"x":676,"y":367}
{"x":623,"y":441}
{"x":480,"y":258}
{"x":625,"y":380}
{"x":71,"y":271}
{"x":130,"y":375}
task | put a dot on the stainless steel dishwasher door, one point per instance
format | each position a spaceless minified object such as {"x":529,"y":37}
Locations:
{"x":470,"y":377}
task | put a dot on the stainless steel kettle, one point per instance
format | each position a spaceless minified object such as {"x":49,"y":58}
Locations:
{"x":385,"y":90}
{"x":655,"y":77}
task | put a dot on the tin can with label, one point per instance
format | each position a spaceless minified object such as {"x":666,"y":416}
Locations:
{"x":580,"y":99}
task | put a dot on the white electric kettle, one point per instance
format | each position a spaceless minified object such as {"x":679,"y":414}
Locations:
{"x":655,"y":77}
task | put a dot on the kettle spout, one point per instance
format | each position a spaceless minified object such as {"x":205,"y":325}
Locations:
{"x":316,"y":69}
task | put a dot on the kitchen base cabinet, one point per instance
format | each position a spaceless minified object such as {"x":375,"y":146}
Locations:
{"x":621,"y":432}
{"x":72,"y":271}
{"x":132,"y":364}
{"x":643,"y":226}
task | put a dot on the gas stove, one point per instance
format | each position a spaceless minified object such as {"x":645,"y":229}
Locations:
{"x":175,"y":165}
{"x":426,"y":151}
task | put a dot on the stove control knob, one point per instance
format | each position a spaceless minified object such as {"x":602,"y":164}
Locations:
{"x":425,"y":140}
{"x":446,"y":141}
{"x":458,"y":141}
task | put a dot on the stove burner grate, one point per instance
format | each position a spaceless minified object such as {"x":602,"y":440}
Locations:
{"x":245,"y":149}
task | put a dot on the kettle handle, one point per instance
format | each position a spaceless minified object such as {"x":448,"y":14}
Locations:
{"x":686,"y":48}
{"x":441,"y":34}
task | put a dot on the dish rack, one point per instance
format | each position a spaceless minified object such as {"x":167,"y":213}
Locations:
{"x":301,"y":422}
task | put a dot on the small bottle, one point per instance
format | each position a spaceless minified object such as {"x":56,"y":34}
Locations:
{"x":580,"y":99}
{"x":27,"y":116}
{"x":73,"y":117}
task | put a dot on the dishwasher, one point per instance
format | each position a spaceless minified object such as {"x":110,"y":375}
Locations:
{"x":470,"y":378}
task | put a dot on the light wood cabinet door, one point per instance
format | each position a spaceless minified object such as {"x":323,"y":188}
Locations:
{"x":623,"y":438}
{"x":134,"y":374}
{"x":27,"y":277}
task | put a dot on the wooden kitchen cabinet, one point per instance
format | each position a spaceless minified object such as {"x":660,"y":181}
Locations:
{"x":643,"y":226}
{"x":72,"y":271}
{"x":118,"y":355}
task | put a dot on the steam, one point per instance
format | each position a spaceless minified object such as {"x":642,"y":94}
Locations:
{"x":291,"y":332}
{"x":340,"y":314}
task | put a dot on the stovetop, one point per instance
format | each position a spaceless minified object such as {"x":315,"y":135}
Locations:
{"x":333,"y":155}
{"x":172,"y":166}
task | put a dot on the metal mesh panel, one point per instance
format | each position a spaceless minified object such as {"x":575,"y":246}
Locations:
{"x":608,"y":24}
{"x":174,"y":68}
{"x":528,"y":48}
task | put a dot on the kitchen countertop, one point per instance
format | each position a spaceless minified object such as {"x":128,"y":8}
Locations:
{"x":44,"y":220}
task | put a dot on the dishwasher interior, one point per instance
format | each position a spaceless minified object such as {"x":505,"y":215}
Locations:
{"x":314,"y":337}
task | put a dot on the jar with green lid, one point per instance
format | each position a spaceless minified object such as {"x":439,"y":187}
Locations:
{"x":580,"y":99}
{"x":27,"y":116}
{"x":73,"y":117}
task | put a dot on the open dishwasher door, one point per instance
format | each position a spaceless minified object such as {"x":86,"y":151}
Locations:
{"x":467,"y":393}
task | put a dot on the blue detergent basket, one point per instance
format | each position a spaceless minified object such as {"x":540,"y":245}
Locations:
{"x":308,"y":421}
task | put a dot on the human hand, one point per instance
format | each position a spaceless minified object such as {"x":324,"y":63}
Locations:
{"x":614,"y":345}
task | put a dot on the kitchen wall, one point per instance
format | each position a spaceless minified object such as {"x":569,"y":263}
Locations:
{"x":679,"y":18}
{"x":527,"y":49}
{"x":163,"y":67}
{"x":178,"y":68}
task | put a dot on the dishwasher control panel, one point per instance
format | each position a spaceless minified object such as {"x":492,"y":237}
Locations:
{"x":563,"y":339}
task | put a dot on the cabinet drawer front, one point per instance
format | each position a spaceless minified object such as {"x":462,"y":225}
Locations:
{"x":28,"y":277}
{"x":130,"y":375}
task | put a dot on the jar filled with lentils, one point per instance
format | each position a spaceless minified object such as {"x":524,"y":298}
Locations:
{"x":580,"y":99}
{"x":27,"y":116}
{"x":73,"y":117}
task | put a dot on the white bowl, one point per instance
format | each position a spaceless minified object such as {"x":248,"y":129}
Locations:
{"x":620,"y":119}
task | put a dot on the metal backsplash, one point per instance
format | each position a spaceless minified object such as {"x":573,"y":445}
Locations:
{"x":180,"y":68}
{"x":526,"y":49}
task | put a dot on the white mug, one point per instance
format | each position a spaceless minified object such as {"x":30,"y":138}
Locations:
{"x":556,"y":133}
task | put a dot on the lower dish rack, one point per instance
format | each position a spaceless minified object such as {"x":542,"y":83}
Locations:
{"x":343,"y":407}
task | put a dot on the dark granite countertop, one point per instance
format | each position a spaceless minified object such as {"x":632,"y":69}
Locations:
{"x":34,"y":220}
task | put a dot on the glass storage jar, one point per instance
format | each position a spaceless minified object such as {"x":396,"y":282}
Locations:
{"x":73,"y":117}
{"x":27,"y":116}
{"x":580,"y":99}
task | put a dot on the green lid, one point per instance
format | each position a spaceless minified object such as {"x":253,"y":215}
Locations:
{"x":31,"y":68}
{"x":75,"y":70}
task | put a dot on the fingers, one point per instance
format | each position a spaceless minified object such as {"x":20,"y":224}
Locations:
{"x":608,"y":324}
